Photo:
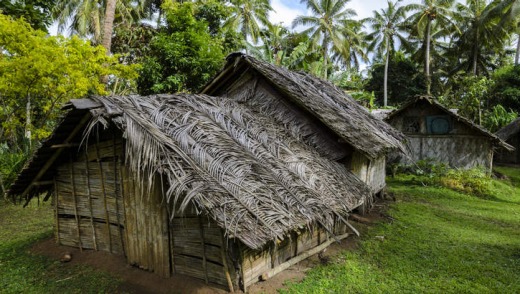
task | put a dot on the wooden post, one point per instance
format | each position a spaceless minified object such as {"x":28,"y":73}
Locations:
{"x":116,"y":190}
{"x":204,"y":261}
{"x":104,"y":196}
{"x":73,"y":182}
{"x":224,"y":262}
{"x":56,"y":196}
{"x":90,"y":204}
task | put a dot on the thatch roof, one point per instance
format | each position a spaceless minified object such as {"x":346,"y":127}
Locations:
{"x":333,"y":107}
{"x":434,"y":103}
{"x":509,"y":131}
{"x":241,"y":169}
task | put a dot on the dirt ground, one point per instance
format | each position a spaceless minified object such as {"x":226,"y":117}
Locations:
{"x":140,"y":281}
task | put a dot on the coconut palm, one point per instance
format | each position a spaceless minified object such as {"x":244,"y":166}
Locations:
{"x":485,"y":27}
{"x":325,"y":26}
{"x":95,"y":18}
{"x":386,"y":25}
{"x":426,"y":14}
{"x":247,"y":16}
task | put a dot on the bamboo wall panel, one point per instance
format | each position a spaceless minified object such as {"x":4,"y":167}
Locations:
{"x":68,"y":232}
{"x":88,"y":196}
{"x":196,"y":247}
{"x":147,"y":233}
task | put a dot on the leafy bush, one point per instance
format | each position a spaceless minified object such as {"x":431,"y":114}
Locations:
{"x":475,"y":181}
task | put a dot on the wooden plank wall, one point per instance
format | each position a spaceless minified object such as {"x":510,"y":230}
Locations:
{"x":88,"y":201}
{"x":257,"y":262}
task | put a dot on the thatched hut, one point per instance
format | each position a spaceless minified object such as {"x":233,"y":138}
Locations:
{"x":191,"y":184}
{"x":440,"y":134}
{"x":326,"y":118}
{"x":510,"y":134}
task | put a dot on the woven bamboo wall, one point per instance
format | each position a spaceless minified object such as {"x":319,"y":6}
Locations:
{"x":463,"y":147}
{"x":88,"y":201}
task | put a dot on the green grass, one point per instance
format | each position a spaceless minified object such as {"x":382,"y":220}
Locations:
{"x":440,"y":241}
{"x":24,"y":272}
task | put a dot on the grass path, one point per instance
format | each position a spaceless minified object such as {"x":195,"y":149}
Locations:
{"x":440,"y":241}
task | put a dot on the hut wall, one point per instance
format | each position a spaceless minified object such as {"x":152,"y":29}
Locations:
{"x":504,"y":156}
{"x":257,"y":262}
{"x":462,"y":147}
{"x":88,"y":201}
{"x":369,"y":171}
{"x":265,"y":98}
{"x":198,"y":250}
{"x":146,"y":226}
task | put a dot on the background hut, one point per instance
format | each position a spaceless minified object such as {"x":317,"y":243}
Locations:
{"x":510,"y":134}
{"x":191,"y":184}
{"x":437,"y":133}
{"x":324,"y":117}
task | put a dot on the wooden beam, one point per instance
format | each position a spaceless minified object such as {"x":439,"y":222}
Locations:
{"x":67,"y":145}
{"x":270,"y":273}
{"x":42,"y":183}
{"x":56,"y":154}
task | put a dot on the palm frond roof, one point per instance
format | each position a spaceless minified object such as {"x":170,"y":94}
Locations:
{"x":510,"y":130}
{"x":333,"y":107}
{"x":241,"y":169}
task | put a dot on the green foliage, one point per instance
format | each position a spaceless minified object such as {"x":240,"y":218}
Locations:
{"x":10,"y":164}
{"x":497,"y":117}
{"x":405,"y":81}
{"x":46,"y":71}
{"x":435,"y":241}
{"x":186,"y":53}
{"x":35,"y":12}
{"x":506,"y":89}
{"x":475,"y":181}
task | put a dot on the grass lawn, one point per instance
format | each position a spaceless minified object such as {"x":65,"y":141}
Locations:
{"x":440,"y":241}
{"x":23,"y":272}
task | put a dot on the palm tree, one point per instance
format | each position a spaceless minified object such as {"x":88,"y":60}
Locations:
{"x":428,"y":13}
{"x":485,"y":28}
{"x":325,"y":25}
{"x":386,"y":26}
{"x":95,"y":18}
{"x":247,"y":16}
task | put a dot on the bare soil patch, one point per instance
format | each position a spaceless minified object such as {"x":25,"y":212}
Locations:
{"x":140,"y":281}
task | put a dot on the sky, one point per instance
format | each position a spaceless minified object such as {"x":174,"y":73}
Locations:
{"x":286,"y":10}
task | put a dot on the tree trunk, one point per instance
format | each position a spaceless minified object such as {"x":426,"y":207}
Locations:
{"x":108,"y":25}
{"x":385,"y":86}
{"x":475,"y":52}
{"x":517,"y":56}
{"x":427,"y":62}
{"x":325,"y":57}
{"x":28,"y":119}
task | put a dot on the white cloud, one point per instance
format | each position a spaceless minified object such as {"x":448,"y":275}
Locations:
{"x":283,"y":13}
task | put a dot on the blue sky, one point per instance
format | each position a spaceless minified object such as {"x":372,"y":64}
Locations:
{"x":287,"y":10}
